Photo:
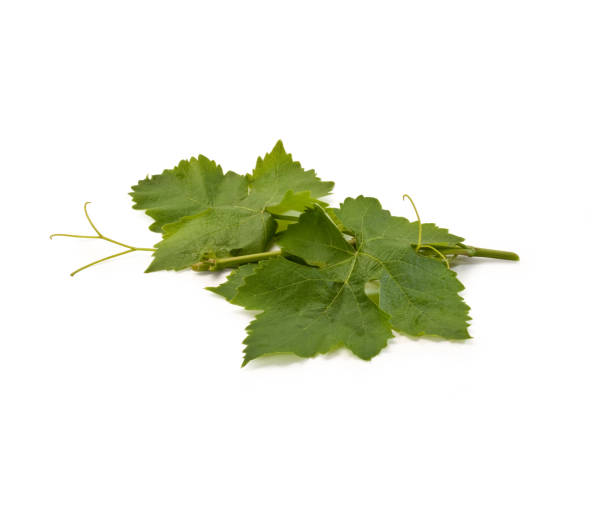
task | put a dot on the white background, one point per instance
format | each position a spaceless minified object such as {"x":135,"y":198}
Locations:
{"x":120,"y":388}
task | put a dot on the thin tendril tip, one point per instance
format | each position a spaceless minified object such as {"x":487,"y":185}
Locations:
{"x":404,"y":197}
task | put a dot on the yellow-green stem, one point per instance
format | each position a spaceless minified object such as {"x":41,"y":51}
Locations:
{"x":215,"y":264}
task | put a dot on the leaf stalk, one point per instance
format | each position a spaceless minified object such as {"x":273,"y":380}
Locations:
{"x":215,"y":264}
{"x":285,"y":217}
{"x":472,"y":251}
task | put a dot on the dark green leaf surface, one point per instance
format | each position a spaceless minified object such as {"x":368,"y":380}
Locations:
{"x":306,"y":311}
{"x":312,"y":309}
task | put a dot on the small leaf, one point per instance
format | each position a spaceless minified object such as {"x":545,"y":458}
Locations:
{"x":280,"y":184}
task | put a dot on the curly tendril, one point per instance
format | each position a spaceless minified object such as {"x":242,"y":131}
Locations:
{"x":419,"y":240}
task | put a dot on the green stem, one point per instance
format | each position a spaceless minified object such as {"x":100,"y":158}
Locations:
{"x":215,"y":264}
{"x":285,"y":217}
{"x":472,"y":251}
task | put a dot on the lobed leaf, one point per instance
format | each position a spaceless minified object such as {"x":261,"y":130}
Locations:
{"x":204,"y":213}
{"x":217,"y":232}
{"x":306,"y":312}
{"x":310,"y":309}
{"x":191,"y":187}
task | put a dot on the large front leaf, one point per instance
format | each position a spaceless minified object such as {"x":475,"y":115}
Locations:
{"x":310,"y":309}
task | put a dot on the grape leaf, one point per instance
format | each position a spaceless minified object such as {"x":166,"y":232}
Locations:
{"x":217,"y":232}
{"x":191,"y":187}
{"x":280,"y":184}
{"x":227,"y":214}
{"x":310,"y":309}
{"x":413,"y":288}
{"x":306,"y":311}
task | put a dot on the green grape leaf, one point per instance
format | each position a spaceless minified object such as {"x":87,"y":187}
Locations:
{"x":205,"y":214}
{"x":280,"y":184}
{"x":311,"y":309}
{"x":217,"y":232}
{"x":420,"y":294}
{"x":306,"y":311}
{"x":191,"y":187}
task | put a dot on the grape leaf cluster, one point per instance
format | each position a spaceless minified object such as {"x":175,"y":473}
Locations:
{"x":348,"y":276}
{"x":319,"y":277}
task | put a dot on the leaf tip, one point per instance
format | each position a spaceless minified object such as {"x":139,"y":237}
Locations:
{"x":151,"y":268}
